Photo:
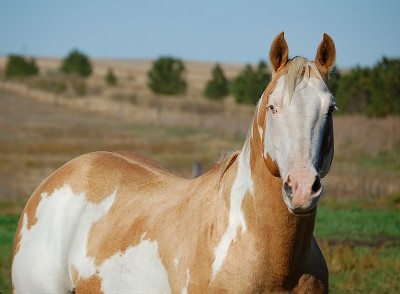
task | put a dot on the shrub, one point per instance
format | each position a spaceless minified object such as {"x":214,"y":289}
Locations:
{"x":166,"y":76}
{"x":77,"y":63}
{"x":385,"y":88}
{"x":110,"y":78}
{"x":372,"y":91}
{"x":19,"y":66}
{"x":334,"y":79}
{"x":250,"y":84}
{"x":353,"y":91}
{"x":217,"y":88}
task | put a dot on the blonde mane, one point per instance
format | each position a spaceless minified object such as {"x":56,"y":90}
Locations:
{"x":297,"y":69}
{"x":226,"y":161}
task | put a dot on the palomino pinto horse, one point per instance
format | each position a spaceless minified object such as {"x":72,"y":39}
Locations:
{"x":115,"y":222}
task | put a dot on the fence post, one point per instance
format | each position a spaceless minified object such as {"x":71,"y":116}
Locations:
{"x":196,"y":169}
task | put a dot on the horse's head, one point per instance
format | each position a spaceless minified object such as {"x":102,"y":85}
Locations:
{"x":298,"y":142}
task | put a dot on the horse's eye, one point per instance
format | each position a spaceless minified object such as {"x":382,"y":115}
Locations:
{"x":272,"y":108}
{"x":332,"y":108}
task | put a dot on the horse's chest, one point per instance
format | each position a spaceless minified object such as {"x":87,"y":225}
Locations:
{"x":245,"y":266}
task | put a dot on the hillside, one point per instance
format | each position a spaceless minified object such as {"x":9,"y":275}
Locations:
{"x":367,"y":155}
{"x":131,"y":100}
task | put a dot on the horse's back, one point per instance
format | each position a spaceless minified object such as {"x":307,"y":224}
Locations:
{"x":52,"y":239}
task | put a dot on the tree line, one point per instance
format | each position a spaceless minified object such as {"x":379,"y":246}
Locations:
{"x":373,"y":91}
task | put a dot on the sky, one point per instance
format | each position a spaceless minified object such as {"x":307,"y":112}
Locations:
{"x":230,"y":31}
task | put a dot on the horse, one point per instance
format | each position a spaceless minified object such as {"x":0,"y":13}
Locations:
{"x":117,"y":222}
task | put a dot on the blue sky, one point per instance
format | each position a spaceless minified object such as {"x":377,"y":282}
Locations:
{"x":211,"y":30}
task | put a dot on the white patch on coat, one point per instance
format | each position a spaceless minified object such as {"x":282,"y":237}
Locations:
{"x":41,"y":264}
{"x":91,"y":213}
{"x":243,"y":183}
{"x":185,"y":289}
{"x":137,"y":270}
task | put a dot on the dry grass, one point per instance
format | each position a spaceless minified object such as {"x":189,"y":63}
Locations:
{"x":132,"y":74}
{"x":367,"y":158}
{"x":366,"y":164}
{"x":362,"y":269}
{"x":38,"y":137}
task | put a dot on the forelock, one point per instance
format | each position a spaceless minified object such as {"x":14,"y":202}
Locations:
{"x":297,"y":69}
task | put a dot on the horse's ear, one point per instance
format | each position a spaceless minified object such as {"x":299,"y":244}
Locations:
{"x":326,"y":53}
{"x":279,"y":52}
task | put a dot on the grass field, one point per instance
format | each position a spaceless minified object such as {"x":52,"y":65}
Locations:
{"x":358,"y":222}
{"x":361,"y":247}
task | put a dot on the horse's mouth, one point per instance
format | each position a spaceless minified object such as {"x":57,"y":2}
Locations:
{"x":306,"y":210}
{"x":304,"y":213}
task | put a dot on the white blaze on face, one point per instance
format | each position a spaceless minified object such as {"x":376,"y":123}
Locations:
{"x":41,"y":264}
{"x":294,"y":133}
{"x":243,"y":183}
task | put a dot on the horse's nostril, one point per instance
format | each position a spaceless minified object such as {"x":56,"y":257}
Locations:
{"x":316,"y":186}
{"x":288,"y":189}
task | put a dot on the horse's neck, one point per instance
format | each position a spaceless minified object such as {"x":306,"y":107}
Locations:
{"x":286,"y":239}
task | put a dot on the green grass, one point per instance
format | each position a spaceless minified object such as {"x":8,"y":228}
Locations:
{"x":360,"y":243}
{"x":8,"y":226}
{"x":357,"y":224}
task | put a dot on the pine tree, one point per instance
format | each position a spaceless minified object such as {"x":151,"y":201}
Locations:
{"x":19,"y":66}
{"x":217,"y":88}
{"x":166,"y":76}
{"x":110,"y":78}
{"x":250,"y":83}
{"x":77,"y":63}
{"x":385,"y":88}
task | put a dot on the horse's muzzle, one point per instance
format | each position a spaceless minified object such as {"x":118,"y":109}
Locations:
{"x":301,"y":194}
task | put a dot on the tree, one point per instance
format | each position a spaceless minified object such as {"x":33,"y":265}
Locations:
{"x":166,"y":76}
{"x":19,"y":66}
{"x":334,"y":79}
{"x":250,"y":83}
{"x":385,"y":88}
{"x":372,"y":91}
{"x":354,"y":91}
{"x":217,"y":88}
{"x":77,"y":63}
{"x":110,"y":78}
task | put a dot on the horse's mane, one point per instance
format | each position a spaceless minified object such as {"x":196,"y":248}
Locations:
{"x":297,"y":69}
{"x":226,"y":161}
